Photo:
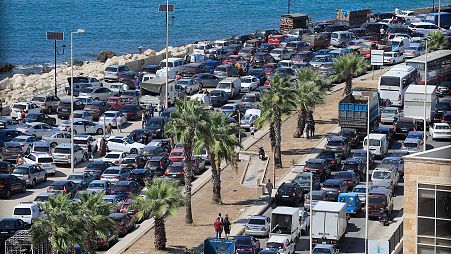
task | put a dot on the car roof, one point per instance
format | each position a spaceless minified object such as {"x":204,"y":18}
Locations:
{"x":78,"y":173}
{"x":412,"y":140}
{"x":100,"y":181}
{"x":333,"y":181}
{"x":41,"y":154}
{"x":60,"y":182}
{"x":315,"y":160}
{"x":123,"y":183}
{"x":380,"y":191}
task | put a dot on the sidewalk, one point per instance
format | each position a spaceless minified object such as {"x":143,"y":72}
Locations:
{"x":240,"y":201}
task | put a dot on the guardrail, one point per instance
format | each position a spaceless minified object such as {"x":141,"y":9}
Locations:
{"x":396,"y":238}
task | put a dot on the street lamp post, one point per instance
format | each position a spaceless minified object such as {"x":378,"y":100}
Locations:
{"x":56,"y":36}
{"x":72,"y":97}
{"x":425,"y":94}
{"x":367,"y":171}
{"x":311,"y":213}
{"x":166,"y":8}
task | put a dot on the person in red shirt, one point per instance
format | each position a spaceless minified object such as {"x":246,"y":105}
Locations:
{"x":218,"y":227}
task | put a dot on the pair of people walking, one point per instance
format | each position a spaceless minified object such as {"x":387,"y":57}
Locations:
{"x":222,"y":224}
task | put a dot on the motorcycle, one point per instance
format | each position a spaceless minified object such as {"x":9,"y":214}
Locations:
{"x":261,"y":154}
{"x":384,"y":220}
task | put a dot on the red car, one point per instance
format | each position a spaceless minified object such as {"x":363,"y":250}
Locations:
{"x":232,"y":59}
{"x":124,"y":223}
{"x":276,"y":39}
{"x":177,"y":154}
{"x":270,"y":67}
{"x":116,"y":102}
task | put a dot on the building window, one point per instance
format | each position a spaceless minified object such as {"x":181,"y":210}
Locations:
{"x":434,"y":219}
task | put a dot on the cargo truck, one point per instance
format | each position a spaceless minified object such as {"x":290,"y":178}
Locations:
{"x":329,"y":223}
{"x":293,"y":21}
{"x":153,"y":91}
{"x":414,"y":102}
{"x":353,"y":17}
{"x":285,"y":222}
{"x":352,"y":110}
{"x":219,"y":246}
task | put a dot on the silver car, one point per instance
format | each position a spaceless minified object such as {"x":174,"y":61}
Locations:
{"x":31,"y":173}
{"x":257,"y":226}
{"x":48,"y":103}
{"x":389,"y":114}
{"x":26,"y":142}
{"x":114,"y":72}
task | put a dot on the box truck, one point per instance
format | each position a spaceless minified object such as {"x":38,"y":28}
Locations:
{"x":329,"y":222}
{"x":414,"y":102}
{"x":285,"y":222}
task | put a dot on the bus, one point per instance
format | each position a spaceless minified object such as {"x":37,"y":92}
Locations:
{"x":439,"y":66}
{"x":393,"y":83}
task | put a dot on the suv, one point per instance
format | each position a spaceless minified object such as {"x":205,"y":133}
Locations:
{"x":10,"y":151}
{"x":318,"y":166}
{"x":97,"y":108}
{"x":97,"y":167}
{"x":28,"y":107}
{"x":133,"y":161}
{"x":317,"y":195}
{"x":64,"y":108}
{"x":338,"y":145}
{"x":289,"y":193}
{"x":82,"y":140}
{"x":10,"y":184}
{"x":331,"y":157}
{"x":351,"y":136}
{"x":64,"y":186}
{"x":156,"y":126}
{"x":31,"y":173}
{"x":349,"y":177}
{"x":158,"y":164}
{"x":333,"y":188}
{"x":358,"y":165}
{"x":114,"y":73}
{"x":44,"y":160}
{"x":27,"y":211}
{"x":48,"y":103}
{"x":61,"y":154}
{"x":403,"y":125}
{"x":192,"y":69}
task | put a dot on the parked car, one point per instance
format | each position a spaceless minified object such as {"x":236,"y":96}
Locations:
{"x":218,"y":98}
{"x":333,"y":187}
{"x":39,"y":117}
{"x":64,"y":107}
{"x":27,"y":212}
{"x":281,"y":54}
{"x":97,"y":108}
{"x":393,"y":58}
{"x":10,"y":184}
{"x":317,"y":195}
{"x":32,"y":174}
{"x":10,"y":151}
{"x":42,"y":159}
{"x":321,"y":61}
{"x":115,"y":157}
{"x":155,"y":126}
{"x":6,"y":167}
{"x":249,"y":83}
{"x":361,"y":154}
{"x":115,"y":174}
{"x":206,"y":80}
{"x":350,"y":178}
{"x":9,"y":226}
{"x":157,"y":165}
{"x":98,"y":167}
{"x":246,"y":244}
{"x":97,"y":186}
{"x":115,"y":118}
{"x":114,"y":73}
{"x":141,"y":176}
{"x":257,"y":225}
{"x":189,"y":85}
{"x":124,"y":223}
{"x":62,"y":154}
{"x":132,"y":111}
{"x":47,"y":103}
{"x":124,"y":144}
{"x":319,"y":167}
{"x":360,"y":189}
{"x":59,"y":137}
{"x":412,"y":145}
{"x":64,"y":187}
{"x":290,"y":194}
{"x":36,"y":129}
{"x":26,"y":142}
{"x":27,"y":107}
{"x":250,"y":100}
{"x":44,"y":197}
{"x":440,"y":131}
{"x":82,"y":179}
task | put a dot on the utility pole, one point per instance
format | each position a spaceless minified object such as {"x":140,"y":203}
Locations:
{"x":289,"y":6}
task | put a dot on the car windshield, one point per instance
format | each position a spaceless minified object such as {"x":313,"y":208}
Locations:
{"x":359,"y":190}
{"x":246,"y":80}
{"x":273,"y":245}
{"x":78,"y":115}
{"x":313,"y":165}
{"x":244,"y":241}
{"x":57,"y":187}
{"x":130,"y":107}
{"x":256,"y":222}
{"x":216,"y":94}
{"x":249,"y":98}
{"x":6,"y":225}
{"x":112,"y":171}
{"x":96,"y":186}
{"x":223,"y":85}
{"x":390,"y":162}
{"x":45,"y":160}
{"x":410,"y":145}
{"x":17,"y":139}
{"x":86,"y":90}
{"x":334,"y":143}
{"x":110,"y":114}
{"x":95,"y":165}
{"x":381,"y":175}
{"x":389,"y":111}
{"x":373,"y":142}
{"x":376,"y":199}
{"x":344,"y":175}
{"x":75,"y":177}
{"x":153,"y":163}
{"x":443,"y":106}
{"x":19,"y":106}
{"x":176,"y":154}
{"x":442,"y":127}
{"x":120,"y":188}
{"x":390,"y":81}
{"x":22,"y":211}
{"x":113,"y":155}
{"x":321,"y":251}
{"x":62,"y":150}
{"x":41,"y":198}
{"x":21,"y":171}
{"x":348,"y":166}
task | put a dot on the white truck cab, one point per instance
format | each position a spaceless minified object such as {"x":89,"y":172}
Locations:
{"x":285,"y":222}
{"x":27,"y":211}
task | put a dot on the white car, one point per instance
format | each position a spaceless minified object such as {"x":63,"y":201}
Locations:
{"x":440,"y":131}
{"x":189,"y":85}
{"x":115,"y":157}
{"x":280,"y":54}
{"x":98,"y":93}
{"x":26,"y":142}
{"x":28,"y":107}
{"x":61,"y":154}
{"x":389,"y":114}
{"x":118,"y":88}
{"x":304,"y":222}
{"x":36,"y":129}
{"x":44,"y":160}
{"x":393,"y":58}
{"x":85,"y":127}
{"x":124,"y":144}
{"x":27,"y":211}
{"x":281,"y":243}
{"x":57,"y":138}
{"x":425,"y":27}
{"x":408,"y":15}
{"x":249,"y":83}
{"x":83,"y":114}
{"x":82,"y":140}
{"x":115,"y":118}
{"x":257,"y":225}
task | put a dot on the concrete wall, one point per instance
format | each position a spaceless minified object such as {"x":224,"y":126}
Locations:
{"x":137,"y":65}
{"x":419,"y":170}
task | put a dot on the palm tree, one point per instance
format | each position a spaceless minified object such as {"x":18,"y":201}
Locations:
{"x":188,"y":123}
{"x":275,"y":102}
{"x":63,"y":227}
{"x":436,"y":40}
{"x":220,"y":142}
{"x":311,"y":87}
{"x":98,"y":223}
{"x":161,"y":199}
{"x":348,"y":66}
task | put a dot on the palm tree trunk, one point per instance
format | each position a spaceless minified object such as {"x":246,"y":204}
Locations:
{"x":300,"y":124}
{"x":272,"y":136}
{"x":278,"y":138}
{"x":160,"y":234}
{"x":348,"y":86}
{"x":216,"y":178}
{"x":188,"y":147}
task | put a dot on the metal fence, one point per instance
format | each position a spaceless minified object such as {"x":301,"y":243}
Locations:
{"x":396,"y":237}
{"x":20,"y":243}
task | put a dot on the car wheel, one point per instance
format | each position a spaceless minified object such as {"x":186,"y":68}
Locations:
{"x":53,"y":144}
{"x":75,"y":132}
{"x":97,"y":99}
{"x":33,"y":183}
{"x":45,"y":178}
{"x":8,"y":194}
{"x":134,"y":151}
{"x":99,"y":131}
{"x":24,"y":188}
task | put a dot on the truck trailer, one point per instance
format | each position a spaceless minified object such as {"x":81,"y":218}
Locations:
{"x":329,"y":223}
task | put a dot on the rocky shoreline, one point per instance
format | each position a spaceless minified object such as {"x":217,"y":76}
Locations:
{"x":21,"y":87}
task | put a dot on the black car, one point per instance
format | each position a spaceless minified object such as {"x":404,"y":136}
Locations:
{"x":351,"y":136}
{"x":132,"y":111}
{"x":9,"y":151}
{"x":289,"y":194}
{"x":10,"y":184}
{"x":358,"y":165}
{"x":403,"y":125}
{"x":9,"y":226}
{"x":97,"y":167}
{"x":126,"y":188}
{"x":333,"y":188}
{"x":63,"y":186}
{"x":64,"y":107}
{"x":218,"y":98}
{"x":338,"y":145}
{"x":191,"y":69}
{"x":260,"y":74}
{"x":261,"y":59}
{"x":206,"y":79}
{"x":133,"y":161}
{"x":154,"y":151}
{"x":97,"y":108}
{"x":141,"y":176}
{"x":390,"y":133}
{"x":175,"y":171}
{"x":444,"y":88}
{"x":266,"y":48}
{"x":7,"y":135}
{"x":156,"y":126}
{"x":319,"y":167}
{"x":246,"y":244}
{"x":264,"y":34}
{"x":440,"y":107}
{"x":158,"y":164}
{"x":333,"y":159}
{"x":333,"y":28}
{"x":349,"y":177}
{"x":39,"y":117}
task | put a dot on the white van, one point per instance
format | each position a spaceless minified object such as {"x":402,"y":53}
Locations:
{"x":249,"y":118}
{"x":201,"y":47}
{"x":174,"y":66}
{"x":378,"y":144}
{"x":232,"y":86}
{"x":386,"y":176}
{"x":341,"y":38}
{"x":196,"y":58}
{"x":27,"y":211}
{"x":400,"y":44}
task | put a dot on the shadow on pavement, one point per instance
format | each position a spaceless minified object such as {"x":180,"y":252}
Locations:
{"x":353,"y":245}
{"x":352,"y":227}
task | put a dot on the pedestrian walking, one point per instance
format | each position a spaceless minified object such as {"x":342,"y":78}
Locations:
{"x":226,"y":225}
{"x":218,"y":227}
{"x":109,"y":129}
{"x":143,"y":119}
{"x":103,"y":146}
{"x":151,"y":110}
{"x":19,"y":160}
{"x":269,"y":188}
{"x":307,"y":130}
{"x":119,"y":126}
{"x":159,"y":109}
{"x":252,"y":130}
{"x":312,"y":129}
{"x":146,"y":137}
{"x":90,"y":156}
